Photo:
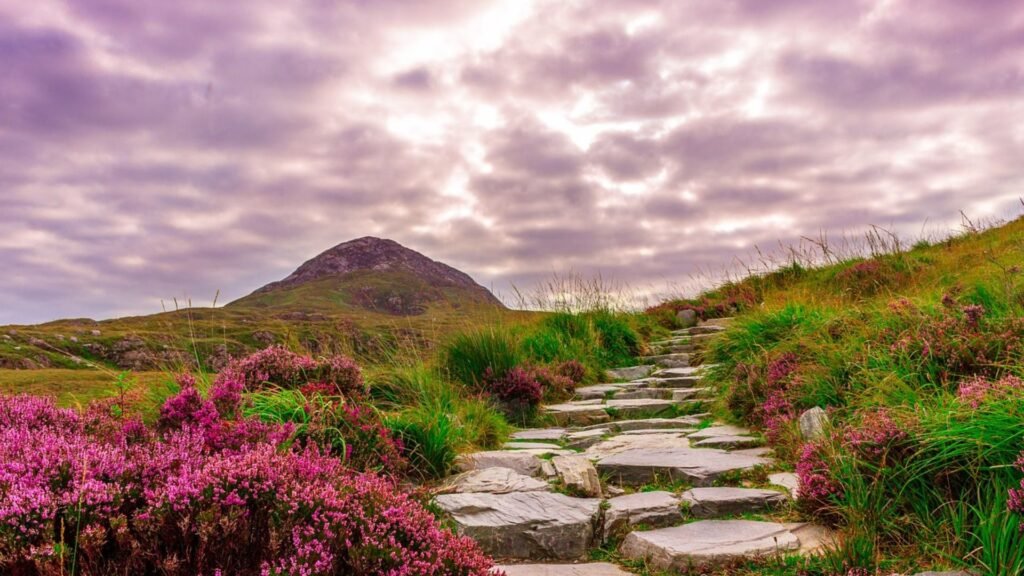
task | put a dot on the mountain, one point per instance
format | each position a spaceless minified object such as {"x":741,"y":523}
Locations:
{"x":368,"y":297}
{"x":373,"y":274}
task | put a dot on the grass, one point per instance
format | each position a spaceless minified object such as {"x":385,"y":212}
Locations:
{"x":74,"y":387}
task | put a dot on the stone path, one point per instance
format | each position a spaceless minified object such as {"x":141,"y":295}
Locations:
{"x":635,"y":462}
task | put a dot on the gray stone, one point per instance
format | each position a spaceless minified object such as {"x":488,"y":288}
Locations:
{"x":640,"y":407}
{"x":720,"y":430}
{"x":687,"y":318}
{"x":759,"y":451}
{"x":680,"y":394}
{"x":493,"y":481}
{"x":649,"y":423}
{"x":522,"y":462}
{"x":651,"y":509}
{"x":527,"y":525}
{"x":787,"y":480}
{"x":668,"y":361}
{"x":654,"y":393}
{"x":708,"y":542}
{"x":629,"y":372}
{"x":597,"y":391}
{"x":578,"y":475}
{"x":530,"y":446}
{"x":539,"y":435}
{"x":94,"y":332}
{"x":586,"y":438}
{"x":544,"y":452}
{"x":715,"y":502}
{"x":700,"y":466}
{"x":728,"y":442}
{"x":813,"y":423}
{"x":589,"y":569}
{"x":631,"y":442}
{"x":577,"y":414}
{"x":680,"y":431}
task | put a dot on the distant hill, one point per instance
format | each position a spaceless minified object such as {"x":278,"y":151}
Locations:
{"x":367,"y":297}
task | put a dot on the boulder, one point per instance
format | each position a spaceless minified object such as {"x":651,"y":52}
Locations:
{"x":708,"y":542}
{"x":493,"y":481}
{"x":651,"y":509}
{"x":813,"y":423}
{"x":521,"y":462}
{"x":526,"y":525}
{"x":687,"y":318}
{"x":578,"y":475}
{"x":716,"y":502}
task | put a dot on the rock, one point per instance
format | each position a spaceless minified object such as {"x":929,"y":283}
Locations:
{"x":545,"y":452}
{"x":759,"y":451}
{"x":649,"y":393}
{"x":577,"y":414}
{"x":681,"y":394}
{"x":640,"y":407}
{"x":813,"y":423}
{"x":630,"y":442}
{"x":578,"y":475}
{"x":589,"y":569}
{"x":687,"y":318}
{"x":680,"y":431}
{"x":95,"y":332}
{"x":530,"y":446}
{"x":787,"y":480}
{"x":707,"y":542}
{"x":715,"y":502}
{"x":700,"y":466}
{"x":586,"y":438}
{"x":720,"y":430}
{"x":597,"y":391}
{"x":652,"y":423}
{"x":522,"y":462}
{"x":493,"y":481}
{"x":629,"y":372}
{"x":7,"y":337}
{"x":612,"y":491}
{"x":651,"y":509}
{"x":540,"y":435}
{"x":74,"y":339}
{"x":728,"y":442}
{"x":547,"y":469}
{"x":527,"y":525}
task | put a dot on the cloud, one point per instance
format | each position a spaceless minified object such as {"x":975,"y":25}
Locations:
{"x":151,"y":150}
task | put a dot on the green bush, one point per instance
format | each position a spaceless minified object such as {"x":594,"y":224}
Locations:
{"x":468,"y":356}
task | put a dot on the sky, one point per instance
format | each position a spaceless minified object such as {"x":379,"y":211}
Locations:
{"x":153,"y":149}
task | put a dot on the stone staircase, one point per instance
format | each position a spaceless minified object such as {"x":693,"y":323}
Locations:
{"x":634,"y":464}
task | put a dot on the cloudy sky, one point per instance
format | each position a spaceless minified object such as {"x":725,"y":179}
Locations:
{"x":152,"y":149}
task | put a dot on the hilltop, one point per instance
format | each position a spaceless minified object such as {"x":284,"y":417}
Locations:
{"x":367,"y":296}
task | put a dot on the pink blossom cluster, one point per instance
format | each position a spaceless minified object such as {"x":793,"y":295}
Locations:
{"x":817,"y":486}
{"x":279,"y":366}
{"x":206,"y":494}
{"x":876,"y":435}
{"x":1015,"y":501}
{"x":517,"y":387}
{"x":978,"y":389}
{"x":776,"y":412}
{"x":781,"y":370}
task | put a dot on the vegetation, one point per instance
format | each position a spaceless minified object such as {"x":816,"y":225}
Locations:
{"x":916,"y":355}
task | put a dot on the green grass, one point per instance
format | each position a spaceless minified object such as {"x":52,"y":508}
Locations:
{"x":73,"y":388}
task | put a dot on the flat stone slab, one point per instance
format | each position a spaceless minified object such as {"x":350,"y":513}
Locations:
{"x":539,"y":435}
{"x":716,"y":502}
{"x":640,"y":407}
{"x":719,"y":430}
{"x":530,"y":446}
{"x":680,"y":394}
{"x":589,"y":569}
{"x":759,"y":451}
{"x":586,"y":438}
{"x":708,"y":542}
{"x":678,"y":372}
{"x":701,"y":466}
{"x":655,"y":393}
{"x":651,"y":423}
{"x":539,"y":452}
{"x":651,"y":509}
{"x":578,"y":414}
{"x":493,"y":481}
{"x":628,"y":372}
{"x":633,"y":442}
{"x":728,"y":442}
{"x":522,"y":462}
{"x":597,"y":391}
{"x":680,"y":431}
{"x":526,"y":525}
{"x":787,"y":480}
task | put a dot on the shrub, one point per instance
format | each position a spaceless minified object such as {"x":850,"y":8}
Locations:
{"x":277,"y":366}
{"x":80,"y":502}
{"x":472,"y":357}
{"x":518,"y":391}
{"x":867,"y":278}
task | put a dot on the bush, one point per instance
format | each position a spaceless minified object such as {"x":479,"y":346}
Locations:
{"x":98,"y":494}
{"x":279,"y":367}
{"x":471,"y":357}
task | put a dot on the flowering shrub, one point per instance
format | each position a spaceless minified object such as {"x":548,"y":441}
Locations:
{"x":817,"y":486}
{"x":978,"y":389}
{"x":517,"y":388}
{"x":573,"y":370}
{"x":555,"y":387}
{"x":124,"y":501}
{"x":876,"y":436}
{"x":279,"y":366}
{"x":1015,"y":502}
{"x":867,"y":278}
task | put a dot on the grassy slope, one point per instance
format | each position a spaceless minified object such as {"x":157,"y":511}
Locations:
{"x":893,"y":337}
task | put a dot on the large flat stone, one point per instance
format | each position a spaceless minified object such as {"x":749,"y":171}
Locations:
{"x":526,"y":525}
{"x":586,"y":438}
{"x":628,"y":372}
{"x":577,"y":414}
{"x":493,"y":481}
{"x":728,"y":442}
{"x":539,"y":435}
{"x":597,"y":391}
{"x":655,"y":393}
{"x":633,"y":442}
{"x":708,"y":542}
{"x":717,"y":502}
{"x":650,"y":423}
{"x":650,"y":509}
{"x":530,"y":446}
{"x":640,"y":407}
{"x":588,"y":569}
{"x":680,"y":431}
{"x":522,"y":462}
{"x":701,"y":466}
{"x":719,"y":430}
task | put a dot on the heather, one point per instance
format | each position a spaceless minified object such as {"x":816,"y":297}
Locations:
{"x":915,"y":354}
{"x":205,"y":490}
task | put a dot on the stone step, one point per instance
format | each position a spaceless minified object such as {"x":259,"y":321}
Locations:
{"x":711,"y":542}
{"x":715,"y":502}
{"x":675,"y":348}
{"x":628,"y":443}
{"x":649,"y":509}
{"x":522,"y":445}
{"x":596,"y":411}
{"x":681,"y":394}
{"x":682,"y":422}
{"x":728,"y":442}
{"x":522,"y":462}
{"x":628,"y":372}
{"x":640,"y":407}
{"x":539,"y":435}
{"x":667,"y":360}
{"x":588,"y":569}
{"x":493,"y":481}
{"x":574,"y":414}
{"x":525,"y":525}
{"x":597,"y":391}
{"x":655,"y":393}
{"x":700,"y":466}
